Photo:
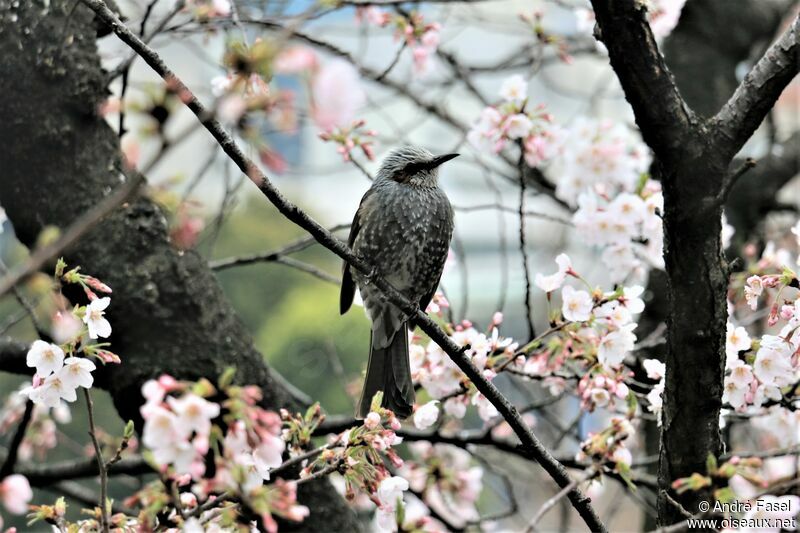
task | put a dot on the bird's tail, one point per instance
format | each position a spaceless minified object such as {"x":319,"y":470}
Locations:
{"x":388,"y":370}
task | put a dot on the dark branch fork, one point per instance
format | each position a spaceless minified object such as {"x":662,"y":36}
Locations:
{"x":530,"y":442}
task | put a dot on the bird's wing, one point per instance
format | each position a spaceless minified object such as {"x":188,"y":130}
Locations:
{"x":427,"y":297}
{"x":348,"y":290}
{"x":425,"y":300}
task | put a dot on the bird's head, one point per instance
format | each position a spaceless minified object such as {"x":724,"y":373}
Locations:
{"x":412,"y":165}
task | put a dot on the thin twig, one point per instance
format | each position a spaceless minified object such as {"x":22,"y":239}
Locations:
{"x":524,"y":251}
{"x":555,"y":499}
{"x":101,"y":466}
{"x":16,"y":441}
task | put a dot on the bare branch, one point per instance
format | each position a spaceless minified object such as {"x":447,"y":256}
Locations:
{"x":12,"y":357}
{"x":43,"y":474}
{"x":19,"y":435}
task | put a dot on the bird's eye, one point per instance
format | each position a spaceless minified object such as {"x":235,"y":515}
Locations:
{"x":412,"y":168}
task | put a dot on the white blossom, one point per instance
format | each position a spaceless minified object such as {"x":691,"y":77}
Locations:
{"x":426,"y":415}
{"x":77,"y":372}
{"x":514,"y":89}
{"x":576,"y":305}
{"x":94,"y":319}
{"x":45,"y":357}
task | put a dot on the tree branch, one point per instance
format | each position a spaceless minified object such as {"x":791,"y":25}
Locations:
{"x":292,"y":212}
{"x":755,"y":96}
{"x":665,"y":121}
{"x":13,"y":355}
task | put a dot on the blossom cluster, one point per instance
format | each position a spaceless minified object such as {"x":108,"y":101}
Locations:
{"x":512,"y":121}
{"x":351,"y":137}
{"x":448,"y":480}
{"x":765,"y":370}
{"x":596,"y":333}
{"x":602,"y":171}
{"x":432,"y":368}
{"x":42,"y":432}
{"x":421,"y":37}
{"x":603,"y":174}
{"x":63,"y":368}
{"x":182,"y":427}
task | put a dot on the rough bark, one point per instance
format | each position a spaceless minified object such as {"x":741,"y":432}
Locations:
{"x":58,"y":158}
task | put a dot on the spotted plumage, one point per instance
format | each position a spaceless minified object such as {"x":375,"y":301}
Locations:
{"x":402,"y":227}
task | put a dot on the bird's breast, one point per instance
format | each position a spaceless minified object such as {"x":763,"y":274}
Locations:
{"x":406,"y":235}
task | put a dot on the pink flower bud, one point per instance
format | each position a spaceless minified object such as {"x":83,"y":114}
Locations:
{"x":97,"y":285}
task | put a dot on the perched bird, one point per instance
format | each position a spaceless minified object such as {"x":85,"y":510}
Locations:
{"x":403,"y":228}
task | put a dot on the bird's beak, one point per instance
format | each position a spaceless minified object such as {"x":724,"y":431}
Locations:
{"x":439,"y":159}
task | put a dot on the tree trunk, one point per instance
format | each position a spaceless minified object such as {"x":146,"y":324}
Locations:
{"x":58,"y":159}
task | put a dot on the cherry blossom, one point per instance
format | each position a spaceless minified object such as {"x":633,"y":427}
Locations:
{"x":655,"y":369}
{"x":426,"y":415}
{"x":94,"y":319}
{"x":554,"y":281}
{"x":47,"y":358}
{"x":77,"y":372}
{"x":654,"y":400}
{"x":615,"y":345}
{"x":15,"y":493}
{"x":773,"y":361}
{"x":337,"y":94}
{"x":52,"y":391}
{"x":514,"y":89}
{"x":576,"y":305}
{"x":193,"y":413}
{"x":296,"y":59}
{"x":736,"y":340}
{"x":372,"y":420}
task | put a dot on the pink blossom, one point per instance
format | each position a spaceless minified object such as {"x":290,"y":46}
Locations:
{"x":514,"y":89}
{"x":77,"y":372}
{"x":372,"y":420}
{"x":296,"y":59}
{"x":15,"y":493}
{"x":337,"y":94}
{"x":193,"y":413}
{"x":64,"y":327}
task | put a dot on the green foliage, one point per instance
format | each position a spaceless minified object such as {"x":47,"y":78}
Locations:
{"x":294,"y":316}
{"x":305,"y":339}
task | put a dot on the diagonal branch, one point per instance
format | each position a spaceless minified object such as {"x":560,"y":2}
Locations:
{"x":760,"y":88}
{"x":12,"y":357}
{"x":292,"y":212}
{"x":661,"y":114}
